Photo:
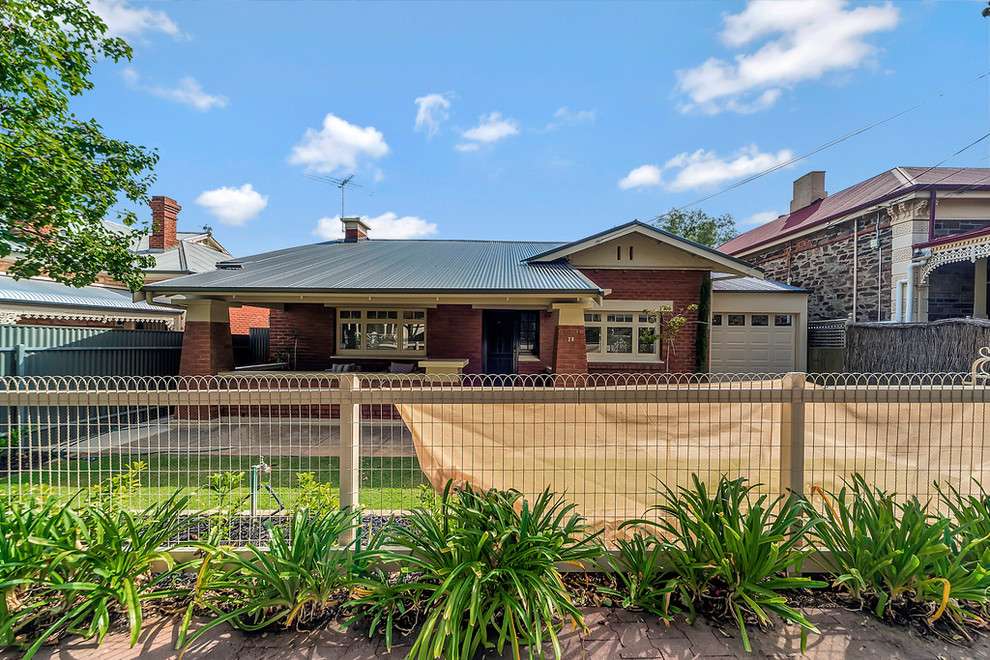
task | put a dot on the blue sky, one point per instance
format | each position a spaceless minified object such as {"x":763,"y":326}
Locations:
{"x":519,"y":121}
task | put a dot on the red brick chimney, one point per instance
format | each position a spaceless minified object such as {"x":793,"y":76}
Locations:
{"x":164,"y":216}
{"x":355,"y":230}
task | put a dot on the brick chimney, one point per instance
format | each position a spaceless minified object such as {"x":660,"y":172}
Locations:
{"x":808,"y":189}
{"x":355,"y":230}
{"x":164,"y":217}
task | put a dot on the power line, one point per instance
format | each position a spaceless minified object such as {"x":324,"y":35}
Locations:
{"x":830,"y":143}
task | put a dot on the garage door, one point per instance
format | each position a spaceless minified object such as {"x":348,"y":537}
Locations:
{"x":752,"y":343}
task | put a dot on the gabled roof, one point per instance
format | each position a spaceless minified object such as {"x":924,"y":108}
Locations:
{"x":723,"y":261}
{"x":196,"y":252}
{"x":881,"y":188}
{"x":391,"y":266}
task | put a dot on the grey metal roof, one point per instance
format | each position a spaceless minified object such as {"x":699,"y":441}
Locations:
{"x":189,"y":256}
{"x":393,"y":265}
{"x":43,"y":292}
{"x":750,"y":285}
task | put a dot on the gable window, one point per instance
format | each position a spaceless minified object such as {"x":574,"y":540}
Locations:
{"x":381,"y":331}
{"x":618,"y":335}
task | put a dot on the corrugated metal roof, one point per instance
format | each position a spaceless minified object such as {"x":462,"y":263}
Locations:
{"x":42,"y":292}
{"x":393,"y":265}
{"x":887,"y":185}
{"x":189,"y":256}
{"x":750,"y":285}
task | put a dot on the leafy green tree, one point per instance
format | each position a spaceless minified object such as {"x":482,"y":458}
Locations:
{"x":699,"y":227}
{"x":60,"y":176}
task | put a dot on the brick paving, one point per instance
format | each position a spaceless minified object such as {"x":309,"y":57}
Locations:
{"x":614,"y":635}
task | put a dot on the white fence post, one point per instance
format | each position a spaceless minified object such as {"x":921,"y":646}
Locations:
{"x":350,"y":445}
{"x":792,"y":435}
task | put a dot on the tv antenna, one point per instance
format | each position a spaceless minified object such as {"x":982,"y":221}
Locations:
{"x":347,"y":182}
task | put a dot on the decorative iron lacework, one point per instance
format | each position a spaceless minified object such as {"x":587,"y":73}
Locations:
{"x":955,"y":255}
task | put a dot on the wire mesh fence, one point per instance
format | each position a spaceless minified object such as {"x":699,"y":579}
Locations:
{"x":253,"y":448}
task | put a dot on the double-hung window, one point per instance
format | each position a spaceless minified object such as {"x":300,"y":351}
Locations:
{"x":381,"y":331}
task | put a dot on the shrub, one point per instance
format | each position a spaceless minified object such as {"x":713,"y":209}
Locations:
{"x":314,"y":495}
{"x":106,"y":568}
{"x":731,"y":549}
{"x":22,"y":556}
{"x":640,"y":568}
{"x":115,"y":492}
{"x":295,"y":579}
{"x":223,"y":484}
{"x":893,"y":551}
{"x":485,"y":563}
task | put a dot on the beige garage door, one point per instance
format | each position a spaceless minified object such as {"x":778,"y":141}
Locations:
{"x":752,"y":343}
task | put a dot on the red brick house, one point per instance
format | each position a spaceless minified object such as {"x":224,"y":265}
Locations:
{"x":109,"y":304}
{"x":492,"y":307}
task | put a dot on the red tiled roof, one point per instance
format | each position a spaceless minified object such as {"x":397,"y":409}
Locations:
{"x":887,"y":185}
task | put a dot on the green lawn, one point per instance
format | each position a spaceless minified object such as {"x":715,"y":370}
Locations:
{"x":386,"y":483}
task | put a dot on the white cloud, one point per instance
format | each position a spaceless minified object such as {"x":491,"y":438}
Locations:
{"x":338,"y":144}
{"x":490,"y":129}
{"x":125,"y":21}
{"x":188,"y":91}
{"x":758,"y":219}
{"x":564,"y":117}
{"x":704,"y":169}
{"x":387,"y":225}
{"x":432,"y":111}
{"x":233,"y":206}
{"x":645,"y":176}
{"x":803,"y":40}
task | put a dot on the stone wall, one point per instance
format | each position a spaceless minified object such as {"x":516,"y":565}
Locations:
{"x":823,"y":264}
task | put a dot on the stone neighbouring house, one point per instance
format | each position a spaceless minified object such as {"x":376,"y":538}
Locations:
{"x":910,"y":244}
{"x":474,"y":307}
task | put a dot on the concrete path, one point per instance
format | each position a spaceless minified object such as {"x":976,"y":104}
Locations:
{"x":245,"y":436}
{"x":614,"y":634}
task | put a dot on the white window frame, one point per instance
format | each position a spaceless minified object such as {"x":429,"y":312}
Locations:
{"x":364,"y":321}
{"x":635,"y":308}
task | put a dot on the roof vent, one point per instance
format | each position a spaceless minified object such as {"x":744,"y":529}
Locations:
{"x":230,"y":265}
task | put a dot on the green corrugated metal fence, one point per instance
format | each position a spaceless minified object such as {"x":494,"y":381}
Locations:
{"x":27,"y":350}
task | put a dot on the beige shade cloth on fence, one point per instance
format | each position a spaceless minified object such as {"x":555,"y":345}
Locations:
{"x":609,"y":459}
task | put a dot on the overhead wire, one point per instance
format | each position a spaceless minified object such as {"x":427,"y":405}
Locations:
{"x":822,"y":147}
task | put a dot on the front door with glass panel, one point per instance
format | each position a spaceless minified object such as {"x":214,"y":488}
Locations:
{"x":501,"y":340}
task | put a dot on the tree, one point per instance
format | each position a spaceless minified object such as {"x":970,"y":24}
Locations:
{"x":60,"y":176}
{"x":699,"y":227}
